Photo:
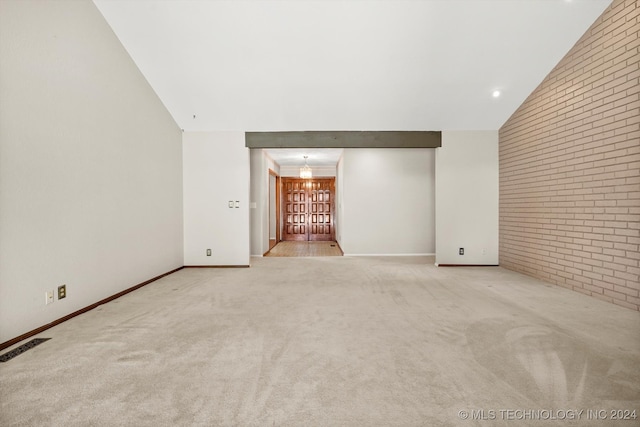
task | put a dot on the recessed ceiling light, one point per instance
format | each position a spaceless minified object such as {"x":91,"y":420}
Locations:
{"x":496,"y":93}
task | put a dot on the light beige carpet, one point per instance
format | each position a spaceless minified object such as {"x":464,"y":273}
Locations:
{"x":335,"y":341}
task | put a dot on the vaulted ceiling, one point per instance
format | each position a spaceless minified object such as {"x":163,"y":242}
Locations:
{"x":284,"y":65}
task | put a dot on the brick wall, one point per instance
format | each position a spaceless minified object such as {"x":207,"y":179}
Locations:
{"x":570,"y":167}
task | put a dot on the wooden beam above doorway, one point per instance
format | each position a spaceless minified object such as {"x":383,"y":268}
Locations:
{"x":344,"y":139}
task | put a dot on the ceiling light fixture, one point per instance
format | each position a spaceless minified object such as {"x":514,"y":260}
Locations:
{"x":305,"y":172}
{"x":496,"y":93}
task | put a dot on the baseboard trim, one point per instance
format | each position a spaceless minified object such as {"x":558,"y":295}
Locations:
{"x":36,"y":331}
{"x":467,"y":265}
{"x":341,"y":251}
{"x":216,"y":266}
{"x":390,"y":255}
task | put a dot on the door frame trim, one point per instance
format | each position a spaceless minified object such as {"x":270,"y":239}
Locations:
{"x":274,"y":174}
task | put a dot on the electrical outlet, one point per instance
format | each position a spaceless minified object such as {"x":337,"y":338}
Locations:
{"x":208,"y":252}
{"x":62,"y":291}
{"x":48,"y":297}
{"x":461,"y":251}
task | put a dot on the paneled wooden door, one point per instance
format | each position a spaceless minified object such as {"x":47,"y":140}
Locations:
{"x":308,"y":209}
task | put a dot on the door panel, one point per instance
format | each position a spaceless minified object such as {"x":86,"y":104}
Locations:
{"x":295,"y":209}
{"x":320,"y":201}
{"x":308,"y":209}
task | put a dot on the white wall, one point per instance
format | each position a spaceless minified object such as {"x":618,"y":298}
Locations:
{"x":339,"y":216}
{"x":258,"y":204}
{"x":467,"y":198}
{"x":273,"y":203}
{"x":90,"y":166}
{"x":259,"y":200}
{"x":388,"y":202}
{"x":216,"y":171}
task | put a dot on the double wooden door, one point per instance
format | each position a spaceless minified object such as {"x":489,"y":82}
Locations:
{"x":308,"y":209}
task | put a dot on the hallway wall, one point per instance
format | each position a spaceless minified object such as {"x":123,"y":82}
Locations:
{"x":259,"y":200}
{"x":338,"y":220}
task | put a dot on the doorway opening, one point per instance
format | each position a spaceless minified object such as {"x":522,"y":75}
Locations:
{"x":306,"y":217}
{"x":313,"y":203}
{"x":274,"y":208}
{"x":308,"y":209}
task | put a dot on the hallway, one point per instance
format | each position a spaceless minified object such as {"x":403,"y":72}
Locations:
{"x":305,"y":249}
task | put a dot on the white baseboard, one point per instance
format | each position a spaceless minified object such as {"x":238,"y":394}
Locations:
{"x":389,"y":254}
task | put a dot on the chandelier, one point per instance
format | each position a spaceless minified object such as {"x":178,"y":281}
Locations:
{"x":305,"y":172}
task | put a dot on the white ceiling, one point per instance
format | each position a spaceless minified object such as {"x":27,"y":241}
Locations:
{"x":346,"y":64}
{"x":295,"y":156}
